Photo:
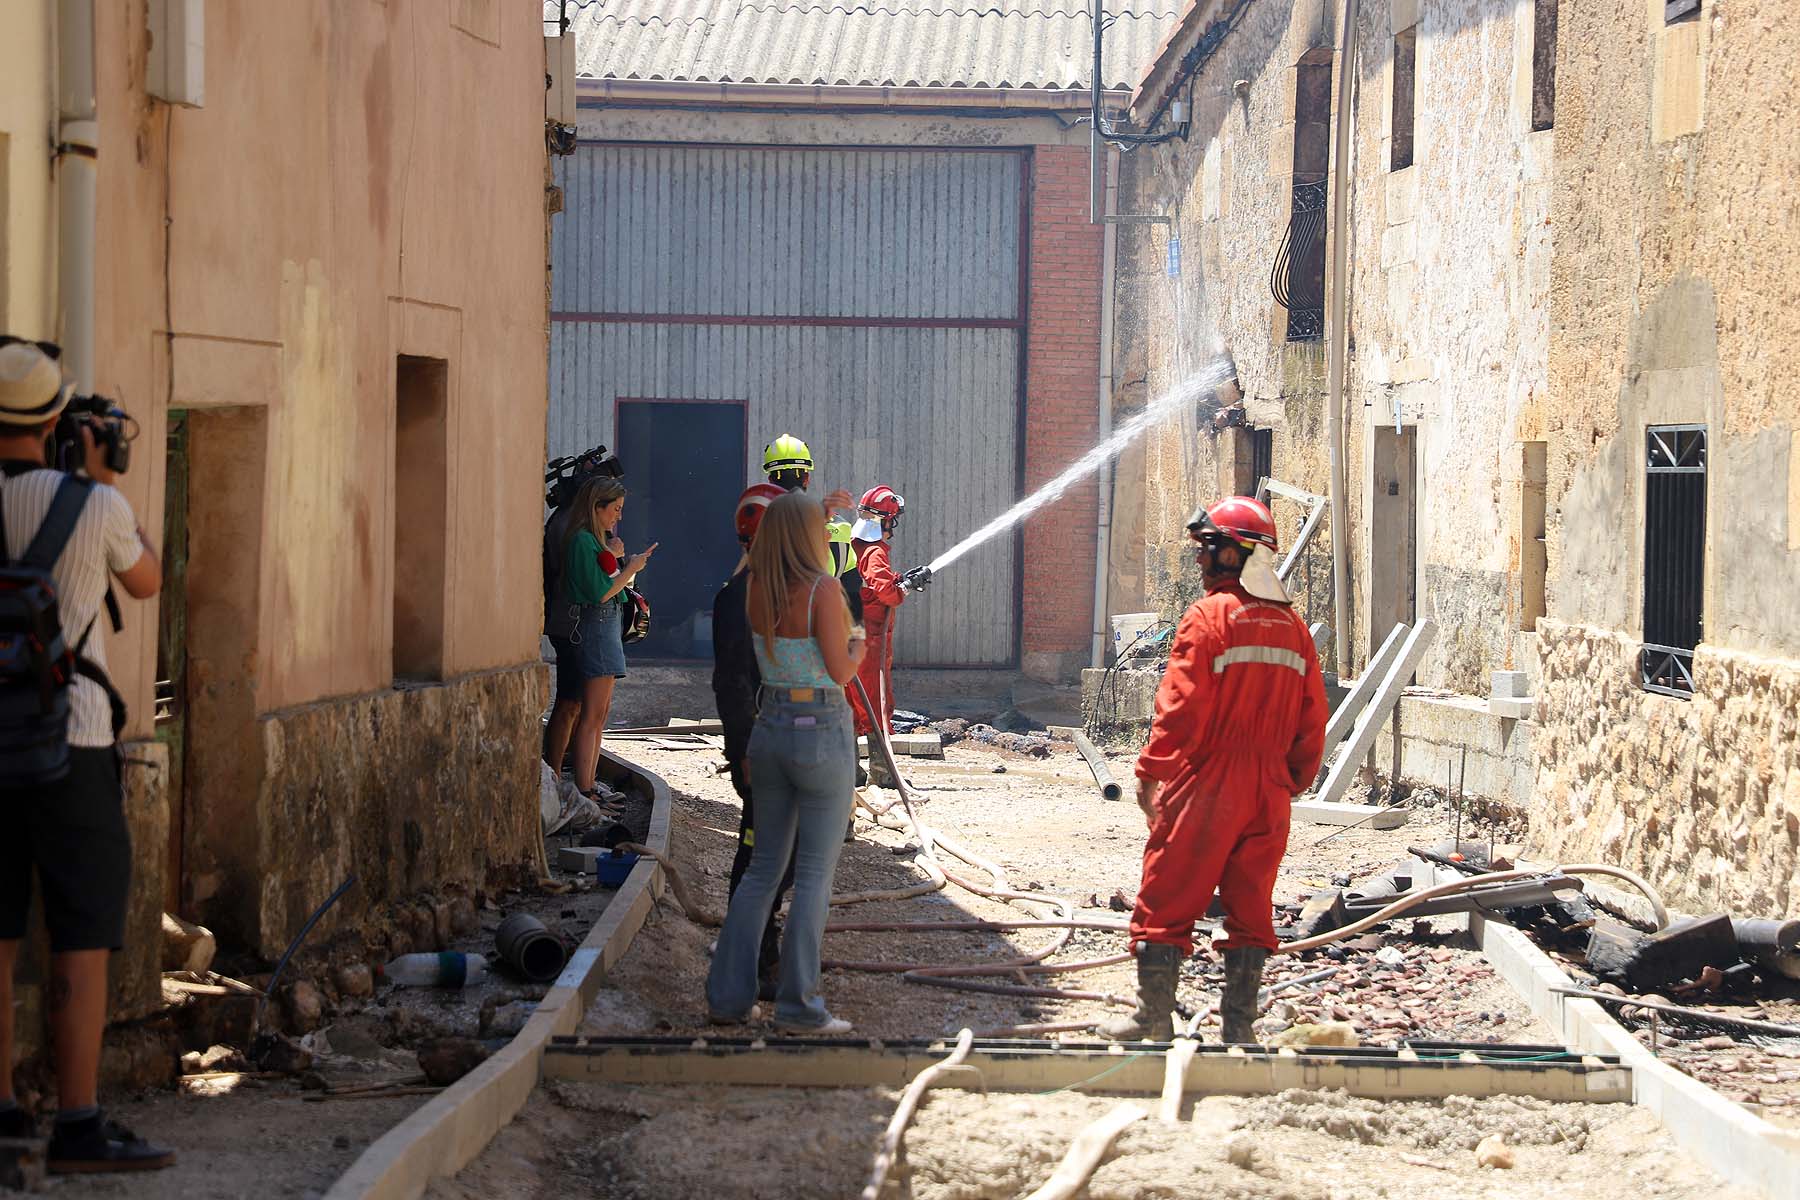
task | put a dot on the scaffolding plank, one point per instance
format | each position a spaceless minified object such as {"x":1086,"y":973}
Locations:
{"x":1335,"y":812}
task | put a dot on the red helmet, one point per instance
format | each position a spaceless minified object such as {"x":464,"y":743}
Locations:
{"x":751,"y":506}
{"x":882,"y":501}
{"x":1239,"y":518}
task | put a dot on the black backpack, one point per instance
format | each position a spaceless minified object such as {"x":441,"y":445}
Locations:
{"x":37,"y":664}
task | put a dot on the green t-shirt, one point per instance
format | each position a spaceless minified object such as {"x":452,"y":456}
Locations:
{"x":584,"y":580}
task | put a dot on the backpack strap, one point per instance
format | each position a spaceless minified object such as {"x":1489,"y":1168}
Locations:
{"x":58,"y":526}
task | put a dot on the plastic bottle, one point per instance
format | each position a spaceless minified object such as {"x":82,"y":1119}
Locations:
{"x":449,"y":968}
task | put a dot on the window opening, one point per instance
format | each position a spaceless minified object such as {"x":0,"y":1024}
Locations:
{"x":1680,"y":10}
{"x":1405,"y":61}
{"x":421,"y":515}
{"x":1674,"y":555}
{"x":1262,"y":458}
{"x":1298,"y":278}
{"x":1543,"y":65}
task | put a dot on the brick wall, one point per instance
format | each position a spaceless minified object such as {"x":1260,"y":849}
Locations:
{"x":1062,"y":368}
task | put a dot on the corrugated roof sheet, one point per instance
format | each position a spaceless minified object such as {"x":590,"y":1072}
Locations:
{"x":1036,"y":44}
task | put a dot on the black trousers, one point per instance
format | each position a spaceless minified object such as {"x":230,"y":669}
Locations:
{"x":770,"y":953}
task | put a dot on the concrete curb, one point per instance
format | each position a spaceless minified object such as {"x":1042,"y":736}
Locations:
{"x":446,"y":1134}
{"x":1741,"y":1147}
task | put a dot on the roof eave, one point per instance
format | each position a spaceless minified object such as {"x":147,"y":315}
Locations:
{"x":1195,"y":17}
{"x":807,"y":95}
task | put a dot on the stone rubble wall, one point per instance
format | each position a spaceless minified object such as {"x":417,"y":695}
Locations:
{"x":1702,"y":796}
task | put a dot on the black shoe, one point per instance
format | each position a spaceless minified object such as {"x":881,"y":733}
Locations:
{"x":862,"y":776}
{"x":17,"y":1123}
{"x":97,"y":1144}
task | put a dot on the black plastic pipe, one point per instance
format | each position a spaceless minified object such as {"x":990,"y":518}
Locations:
{"x":529,"y":948}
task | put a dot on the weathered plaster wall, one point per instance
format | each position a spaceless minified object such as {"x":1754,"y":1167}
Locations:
{"x":1670,"y":303}
{"x":1450,"y":277}
{"x":363,"y":182}
{"x":27,"y":204}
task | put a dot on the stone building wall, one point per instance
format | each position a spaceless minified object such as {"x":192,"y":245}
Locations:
{"x":1449,"y":282}
{"x":1673,"y":273}
{"x":1448,"y":277}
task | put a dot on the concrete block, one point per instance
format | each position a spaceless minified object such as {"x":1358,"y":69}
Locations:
{"x":924,"y":744}
{"x":1332,"y":812}
{"x":1402,"y":195}
{"x":1515,"y":709}
{"x":1399,"y":244}
{"x":579,"y":858}
{"x":1510,"y":685}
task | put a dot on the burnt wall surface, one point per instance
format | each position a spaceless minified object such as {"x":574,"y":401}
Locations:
{"x":409,"y":789}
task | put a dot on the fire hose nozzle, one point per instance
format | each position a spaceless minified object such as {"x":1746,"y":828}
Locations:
{"x":916,"y":580}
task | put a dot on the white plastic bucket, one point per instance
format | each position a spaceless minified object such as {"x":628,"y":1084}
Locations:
{"x":1127,"y":628}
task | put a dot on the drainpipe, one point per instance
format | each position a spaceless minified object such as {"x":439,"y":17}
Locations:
{"x":1339,"y":345}
{"x":76,"y":163}
{"x":1109,"y":257}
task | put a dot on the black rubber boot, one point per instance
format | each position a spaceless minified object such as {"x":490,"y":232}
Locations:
{"x":1237,"y":1003}
{"x":1158,"y":969}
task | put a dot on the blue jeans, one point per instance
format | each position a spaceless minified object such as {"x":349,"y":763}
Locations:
{"x":802,"y":772}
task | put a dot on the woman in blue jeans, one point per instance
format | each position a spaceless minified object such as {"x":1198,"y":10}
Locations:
{"x":594,"y":573}
{"x":802,"y":761}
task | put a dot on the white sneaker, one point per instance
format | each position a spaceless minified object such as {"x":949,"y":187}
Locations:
{"x":833,"y":1027}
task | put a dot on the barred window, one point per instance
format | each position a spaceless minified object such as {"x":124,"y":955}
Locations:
{"x":1674,"y":555}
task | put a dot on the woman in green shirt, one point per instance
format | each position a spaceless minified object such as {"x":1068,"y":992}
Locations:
{"x":595,"y":572}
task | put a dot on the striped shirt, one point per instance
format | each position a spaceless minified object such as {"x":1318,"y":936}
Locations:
{"x":105,"y":542}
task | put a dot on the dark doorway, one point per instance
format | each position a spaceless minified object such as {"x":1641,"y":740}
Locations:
{"x":171,"y":650}
{"x":684,"y":466}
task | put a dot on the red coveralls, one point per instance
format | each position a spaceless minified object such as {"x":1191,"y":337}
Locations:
{"x":1239,"y":731}
{"x":881,"y":595}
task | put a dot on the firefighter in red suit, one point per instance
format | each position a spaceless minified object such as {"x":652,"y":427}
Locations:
{"x":877,"y":513}
{"x":1239,"y":731}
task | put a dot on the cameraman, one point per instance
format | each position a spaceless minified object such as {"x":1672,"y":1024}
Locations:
{"x":72,"y":831}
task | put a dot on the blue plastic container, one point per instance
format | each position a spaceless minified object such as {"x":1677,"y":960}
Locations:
{"x":611,"y":870}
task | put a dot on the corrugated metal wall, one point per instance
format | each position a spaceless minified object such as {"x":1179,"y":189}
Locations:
{"x":868,"y":301}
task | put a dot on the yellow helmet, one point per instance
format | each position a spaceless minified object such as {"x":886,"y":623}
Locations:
{"x":786,"y":453}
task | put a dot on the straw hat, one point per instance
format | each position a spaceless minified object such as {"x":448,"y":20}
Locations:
{"x":32,"y":387}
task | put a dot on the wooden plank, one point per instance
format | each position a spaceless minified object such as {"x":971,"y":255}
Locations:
{"x":1344,"y":719}
{"x":1387,"y":695}
{"x":1328,"y":812}
{"x":1128,"y":1070}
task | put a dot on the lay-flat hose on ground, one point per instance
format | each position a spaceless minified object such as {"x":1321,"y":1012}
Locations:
{"x":889,"y":1154}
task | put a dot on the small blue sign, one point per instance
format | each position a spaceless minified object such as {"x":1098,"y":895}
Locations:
{"x":1174,"y":263}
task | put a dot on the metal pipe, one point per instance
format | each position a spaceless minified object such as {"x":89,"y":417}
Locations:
{"x":1766,"y":936}
{"x":1096,"y":761}
{"x":527,"y":946}
{"x":76,"y":161}
{"x":1340,"y":338}
{"x":1109,"y":258}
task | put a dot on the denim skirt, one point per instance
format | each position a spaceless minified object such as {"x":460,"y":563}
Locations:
{"x":598,"y":641}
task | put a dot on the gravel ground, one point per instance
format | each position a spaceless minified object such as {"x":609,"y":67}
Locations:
{"x":633,"y":1143}
{"x":1043,"y":820}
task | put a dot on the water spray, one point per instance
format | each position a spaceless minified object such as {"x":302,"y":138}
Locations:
{"x":1217,"y":377}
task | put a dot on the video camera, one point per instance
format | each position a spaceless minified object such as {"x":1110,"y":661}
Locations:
{"x":113,"y":428}
{"x":563,"y":477}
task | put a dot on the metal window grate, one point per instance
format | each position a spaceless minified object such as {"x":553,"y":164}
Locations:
{"x":1674,"y":555}
{"x":1298,"y":278}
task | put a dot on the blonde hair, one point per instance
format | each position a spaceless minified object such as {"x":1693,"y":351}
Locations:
{"x":791,"y":550}
{"x":602,"y":489}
